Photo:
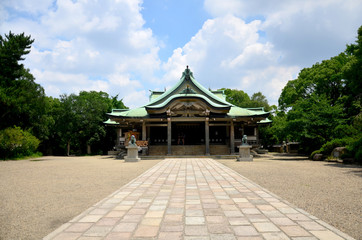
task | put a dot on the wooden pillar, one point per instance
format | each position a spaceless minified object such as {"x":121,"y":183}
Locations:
{"x":207,"y":137}
{"x":144,"y":132}
{"x":169,"y":136}
{"x":232,"y":138}
{"x":119,"y":135}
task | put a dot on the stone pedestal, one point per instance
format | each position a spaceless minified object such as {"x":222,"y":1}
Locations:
{"x":132,"y":154}
{"x":244,"y":153}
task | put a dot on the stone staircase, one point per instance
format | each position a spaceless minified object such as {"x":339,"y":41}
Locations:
{"x":180,"y":150}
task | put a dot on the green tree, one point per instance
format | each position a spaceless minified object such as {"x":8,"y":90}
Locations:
{"x":312,"y":121}
{"x":259,"y":100}
{"x":80,"y":122}
{"x":237,"y":97}
{"x":12,"y":50}
{"x":241,"y":99}
{"x":324,"y":78}
{"x":21,"y":99}
{"x":353,"y":76}
{"x":117,"y":104}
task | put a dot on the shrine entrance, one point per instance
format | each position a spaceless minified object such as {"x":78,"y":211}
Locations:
{"x":188,"y":133}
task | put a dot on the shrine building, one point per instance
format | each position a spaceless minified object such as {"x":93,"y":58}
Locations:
{"x":188,"y":119}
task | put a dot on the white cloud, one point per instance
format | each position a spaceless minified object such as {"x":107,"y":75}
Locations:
{"x":250,"y":45}
{"x":260,"y":45}
{"x":228,"y":53}
{"x":304,"y":31}
{"x":86,"y":45}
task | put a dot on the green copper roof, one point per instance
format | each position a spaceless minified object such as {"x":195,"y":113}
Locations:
{"x":265,"y":121}
{"x":188,"y":89}
{"x":110,"y":122}
{"x":186,"y":95}
{"x":187,"y":85}
{"x":136,"y":112}
{"x":244,"y":112}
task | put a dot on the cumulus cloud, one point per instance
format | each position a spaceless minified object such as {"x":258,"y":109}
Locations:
{"x":305,"y":31}
{"x":86,"y":45}
{"x":227,"y":53}
{"x":260,"y":45}
{"x":249,"y":45}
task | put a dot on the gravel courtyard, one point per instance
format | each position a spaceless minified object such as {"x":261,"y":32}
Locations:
{"x":328,"y":190}
{"x":38,"y":196}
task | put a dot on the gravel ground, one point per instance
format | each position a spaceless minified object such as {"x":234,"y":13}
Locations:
{"x":36,"y":197}
{"x":328,"y":190}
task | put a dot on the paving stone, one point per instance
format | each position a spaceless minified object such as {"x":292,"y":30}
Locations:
{"x":222,"y":237}
{"x":275,"y":236}
{"x":67,"y":236}
{"x":238,"y":221}
{"x":250,"y":211}
{"x":295,"y":231}
{"x":79,"y":227}
{"x":91,"y":218}
{"x":194,"y":220}
{"x":194,"y":199}
{"x":154,"y":214}
{"x":245,"y":231}
{"x":326,"y":235}
{"x":108,"y":221}
{"x":171,"y":218}
{"x":125,"y":227}
{"x":298,"y":217}
{"x":98,"y":231}
{"x":151,"y":221}
{"x":310,"y":225}
{"x":113,"y":214}
{"x":118,"y":236}
{"x":250,"y":238}
{"x":172,"y":227}
{"x":132,"y":218}
{"x":146,"y":231}
{"x":235,"y":213}
{"x":216,"y":219}
{"x":194,"y":212}
{"x":283,"y":221}
{"x":266,"y":227}
{"x":191,"y":230}
{"x":170,"y":235}
{"x":219,"y":228}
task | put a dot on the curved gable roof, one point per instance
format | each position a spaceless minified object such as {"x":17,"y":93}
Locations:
{"x":188,"y":89}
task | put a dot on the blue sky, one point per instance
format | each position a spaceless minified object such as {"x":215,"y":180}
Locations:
{"x":129,"y":47}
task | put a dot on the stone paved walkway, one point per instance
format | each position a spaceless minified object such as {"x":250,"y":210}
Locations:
{"x":194,"y":199}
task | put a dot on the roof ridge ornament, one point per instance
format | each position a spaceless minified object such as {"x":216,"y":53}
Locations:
{"x":187,"y":73}
{"x":188,"y":90}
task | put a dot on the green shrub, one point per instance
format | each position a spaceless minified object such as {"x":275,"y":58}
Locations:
{"x":15,"y":143}
{"x":314,"y":153}
{"x":328,"y":147}
{"x":355,"y":149}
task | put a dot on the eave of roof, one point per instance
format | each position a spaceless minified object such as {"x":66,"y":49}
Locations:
{"x":188,"y":96}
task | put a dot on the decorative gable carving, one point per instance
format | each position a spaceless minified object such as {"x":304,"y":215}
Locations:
{"x":188,"y":109}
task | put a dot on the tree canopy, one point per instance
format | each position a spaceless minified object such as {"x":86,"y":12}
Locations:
{"x":241,"y":99}
{"x":57,"y":124}
{"x":324,"y":103}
